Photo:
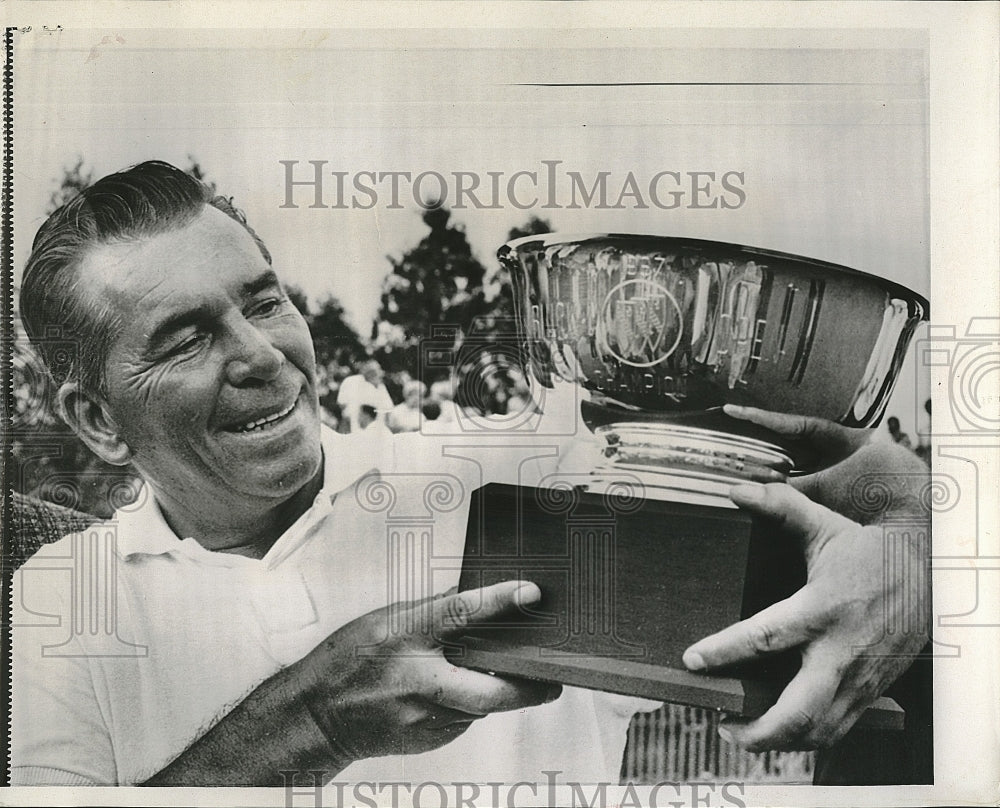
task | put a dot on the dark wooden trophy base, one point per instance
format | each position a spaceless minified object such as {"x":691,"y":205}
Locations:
{"x":627,"y":585}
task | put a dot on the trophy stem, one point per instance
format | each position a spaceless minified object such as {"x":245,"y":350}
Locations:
{"x":683,"y":463}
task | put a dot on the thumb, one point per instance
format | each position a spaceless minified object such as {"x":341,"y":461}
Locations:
{"x":787,"y":508}
{"x":452,"y":614}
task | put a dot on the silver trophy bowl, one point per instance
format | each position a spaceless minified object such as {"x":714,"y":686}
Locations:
{"x":663,"y":331}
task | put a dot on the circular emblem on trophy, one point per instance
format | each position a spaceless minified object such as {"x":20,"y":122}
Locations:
{"x":640,"y":323}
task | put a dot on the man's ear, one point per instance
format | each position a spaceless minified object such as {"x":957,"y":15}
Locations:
{"x":89,"y":418}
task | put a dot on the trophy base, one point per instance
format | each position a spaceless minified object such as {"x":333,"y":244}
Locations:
{"x":628,"y":583}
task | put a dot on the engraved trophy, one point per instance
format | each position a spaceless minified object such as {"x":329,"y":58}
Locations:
{"x":635,"y":544}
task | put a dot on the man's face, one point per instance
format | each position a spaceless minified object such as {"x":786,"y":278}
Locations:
{"x":212,"y":380}
{"x":372,"y":374}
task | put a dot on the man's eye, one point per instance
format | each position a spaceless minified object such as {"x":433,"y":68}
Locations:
{"x":268,"y":306}
{"x":186,"y":345}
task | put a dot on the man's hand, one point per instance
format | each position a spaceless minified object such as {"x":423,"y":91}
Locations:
{"x":854,"y":473}
{"x":817,"y":443}
{"x":381,"y":685}
{"x":839,"y":619}
{"x":378,"y":686}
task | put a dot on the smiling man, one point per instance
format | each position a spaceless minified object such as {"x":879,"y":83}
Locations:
{"x":248,"y":573}
{"x":254,"y":622}
{"x":209,"y":384}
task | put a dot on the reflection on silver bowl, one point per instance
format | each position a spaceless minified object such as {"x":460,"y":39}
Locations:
{"x":675,"y":327}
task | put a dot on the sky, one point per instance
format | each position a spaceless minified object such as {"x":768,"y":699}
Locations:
{"x":827,"y":130}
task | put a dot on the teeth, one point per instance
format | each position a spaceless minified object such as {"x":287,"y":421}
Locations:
{"x":264,"y":421}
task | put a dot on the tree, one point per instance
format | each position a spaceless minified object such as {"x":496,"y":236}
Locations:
{"x":441,"y":297}
{"x":333,"y":337}
{"x":438,"y":283}
{"x":195,"y":170}
{"x":533,"y":227}
{"x":298,"y":299}
{"x":74,"y":179}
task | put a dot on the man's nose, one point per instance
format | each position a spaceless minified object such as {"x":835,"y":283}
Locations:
{"x":253,"y":356}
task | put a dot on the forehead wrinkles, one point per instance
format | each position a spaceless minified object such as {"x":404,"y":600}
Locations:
{"x":190,"y":260}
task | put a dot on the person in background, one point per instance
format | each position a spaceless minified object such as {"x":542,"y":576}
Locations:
{"x":405,"y":416}
{"x":368,"y":420}
{"x":365,"y":387}
{"x":923,"y":449}
{"x":431,"y":410}
{"x":520,"y":399}
{"x":898,"y":435}
{"x":443,"y":392}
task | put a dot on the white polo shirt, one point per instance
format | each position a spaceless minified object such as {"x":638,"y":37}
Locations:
{"x":129,"y":643}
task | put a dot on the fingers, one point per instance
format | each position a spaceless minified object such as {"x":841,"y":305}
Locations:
{"x":453,"y":614}
{"x":790,"y":622}
{"x":477,"y":694}
{"x":854,"y":487}
{"x":783,"y":625}
{"x":787,"y":508}
{"x":791,"y":426}
{"x":817,"y":430}
{"x":802,"y":717}
{"x":437,"y":716}
{"x":830,"y":441}
{"x":422,"y":627}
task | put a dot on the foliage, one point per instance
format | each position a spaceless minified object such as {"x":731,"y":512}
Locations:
{"x":75,"y":178}
{"x":298,"y":299}
{"x":439,"y":282}
{"x":439,"y":300}
{"x":338,"y":346}
{"x":533,"y":227}
{"x":333,"y":337}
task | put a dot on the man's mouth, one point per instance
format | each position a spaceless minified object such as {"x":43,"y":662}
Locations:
{"x":265,"y":422}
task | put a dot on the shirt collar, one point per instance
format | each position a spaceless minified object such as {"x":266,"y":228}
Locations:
{"x":142,"y":530}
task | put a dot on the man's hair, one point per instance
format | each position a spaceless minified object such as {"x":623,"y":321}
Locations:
{"x":143,"y":201}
